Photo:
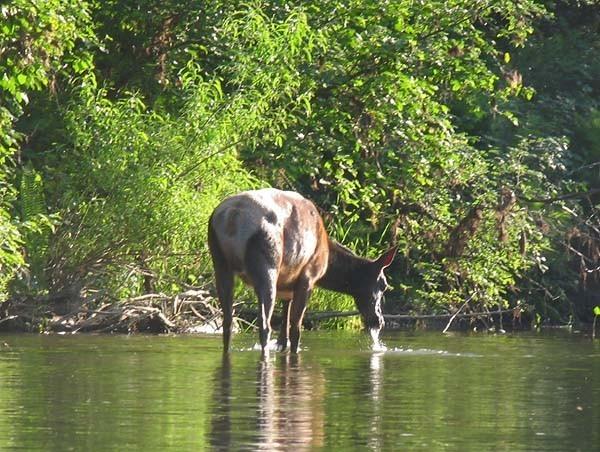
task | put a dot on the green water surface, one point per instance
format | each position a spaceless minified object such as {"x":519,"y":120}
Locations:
{"x":515,"y":392}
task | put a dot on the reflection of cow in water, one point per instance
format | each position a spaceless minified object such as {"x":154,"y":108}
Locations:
{"x":291,"y":414}
{"x":285,"y":411}
{"x":276,"y":242}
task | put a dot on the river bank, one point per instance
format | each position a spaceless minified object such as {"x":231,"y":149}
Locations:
{"x":197,"y":311}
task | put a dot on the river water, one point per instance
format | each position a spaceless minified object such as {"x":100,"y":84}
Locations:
{"x":428,"y":391}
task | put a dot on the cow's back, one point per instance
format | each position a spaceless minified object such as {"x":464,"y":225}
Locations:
{"x":286,"y":222}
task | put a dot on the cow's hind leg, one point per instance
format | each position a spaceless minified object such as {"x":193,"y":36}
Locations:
{"x":302,"y":293}
{"x":261,"y":262}
{"x":224,"y":277}
{"x":284,"y":331}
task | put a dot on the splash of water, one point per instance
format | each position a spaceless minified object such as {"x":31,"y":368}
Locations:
{"x":377,"y":346}
{"x":271,"y":346}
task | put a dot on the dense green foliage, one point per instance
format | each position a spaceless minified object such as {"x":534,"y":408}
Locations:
{"x":464,"y":131}
{"x":38,"y":40}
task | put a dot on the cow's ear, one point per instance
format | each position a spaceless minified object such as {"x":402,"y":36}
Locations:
{"x":386,"y":259}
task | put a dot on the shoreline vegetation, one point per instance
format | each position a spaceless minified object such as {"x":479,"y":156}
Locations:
{"x":194,"y":312}
{"x":464,"y":132}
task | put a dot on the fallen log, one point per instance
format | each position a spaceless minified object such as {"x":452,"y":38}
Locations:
{"x":324,"y":315}
{"x":447,"y":316}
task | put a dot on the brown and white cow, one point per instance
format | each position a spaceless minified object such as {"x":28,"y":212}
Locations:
{"x":276,"y":242}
